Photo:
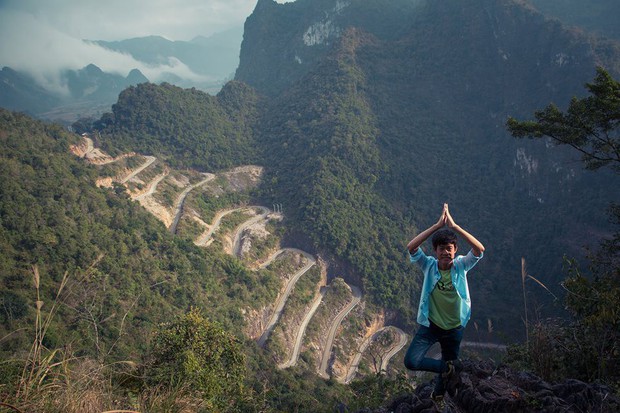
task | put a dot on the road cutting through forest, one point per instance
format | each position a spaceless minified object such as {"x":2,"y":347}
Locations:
{"x":180,"y":201}
{"x":205,"y":238}
{"x":402,"y":341}
{"x":98,"y":157}
{"x":331,"y":334}
{"x":302,"y":330}
{"x":279,"y":307}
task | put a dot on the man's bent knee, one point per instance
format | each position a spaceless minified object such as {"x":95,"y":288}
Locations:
{"x":412,"y":362}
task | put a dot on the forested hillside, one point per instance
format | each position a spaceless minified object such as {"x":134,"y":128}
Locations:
{"x":103,"y":306}
{"x":191,"y":128}
{"x":427,"y":110}
{"x":118,"y":259}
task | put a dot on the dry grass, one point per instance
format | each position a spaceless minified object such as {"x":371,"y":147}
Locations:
{"x":524,"y":277}
{"x":56,"y":380}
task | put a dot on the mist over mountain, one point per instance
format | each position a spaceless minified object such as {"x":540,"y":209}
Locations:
{"x":205,"y":63}
{"x":215,"y":56}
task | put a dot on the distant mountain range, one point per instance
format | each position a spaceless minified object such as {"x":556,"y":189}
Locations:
{"x":216,"y":57}
{"x":92,"y":91}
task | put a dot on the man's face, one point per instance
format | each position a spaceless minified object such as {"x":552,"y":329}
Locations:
{"x":445,"y":255}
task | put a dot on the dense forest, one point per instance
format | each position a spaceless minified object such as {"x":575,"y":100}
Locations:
{"x":190,"y":128}
{"x":96,"y":287}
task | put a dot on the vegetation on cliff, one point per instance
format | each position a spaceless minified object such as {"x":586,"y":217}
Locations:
{"x":586,"y":346}
{"x":190,"y":128}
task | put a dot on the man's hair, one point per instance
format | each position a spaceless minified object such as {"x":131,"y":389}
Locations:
{"x":443,"y":237}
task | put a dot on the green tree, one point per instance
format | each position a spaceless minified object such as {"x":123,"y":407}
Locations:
{"x":198,"y":353}
{"x":590,"y":125}
{"x":586,"y":347}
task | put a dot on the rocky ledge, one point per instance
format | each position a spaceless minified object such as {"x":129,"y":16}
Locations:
{"x":485,"y":388}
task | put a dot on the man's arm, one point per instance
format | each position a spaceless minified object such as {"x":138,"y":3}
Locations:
{"x":423,"y":236}
{"x":476,"y":245}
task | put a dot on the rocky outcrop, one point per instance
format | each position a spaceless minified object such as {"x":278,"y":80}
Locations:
{"x":485,"y":388}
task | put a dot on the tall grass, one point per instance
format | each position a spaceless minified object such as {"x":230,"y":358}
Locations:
{"x":524,"y":277}
{"x":55,"y":380}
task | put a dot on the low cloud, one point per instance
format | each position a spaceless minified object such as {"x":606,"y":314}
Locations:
{"x":33,"y":45}
{"x":44,"y":38}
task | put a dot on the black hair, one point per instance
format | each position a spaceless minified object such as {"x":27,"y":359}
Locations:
{"x":443,"y":237}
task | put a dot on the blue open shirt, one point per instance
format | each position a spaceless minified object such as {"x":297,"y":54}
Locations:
{"x":458,"y":272}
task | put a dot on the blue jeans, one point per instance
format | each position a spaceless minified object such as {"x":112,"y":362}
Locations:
{"x":450,"y":341}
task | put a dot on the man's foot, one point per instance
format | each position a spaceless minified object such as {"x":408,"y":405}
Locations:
{"x":439,"y":400}
{"x":452,"y":376}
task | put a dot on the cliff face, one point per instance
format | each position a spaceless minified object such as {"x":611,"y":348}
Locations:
{"x":283,"y":42}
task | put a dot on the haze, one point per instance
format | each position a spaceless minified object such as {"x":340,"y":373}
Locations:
{"x":44,"y":38}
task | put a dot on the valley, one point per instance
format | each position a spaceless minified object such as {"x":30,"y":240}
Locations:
{"x":246,"y":232}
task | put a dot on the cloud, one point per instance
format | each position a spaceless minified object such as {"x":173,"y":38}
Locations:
{"x":35,"y":47}
{"x":123,"y":19}
{"x":43,"y":38}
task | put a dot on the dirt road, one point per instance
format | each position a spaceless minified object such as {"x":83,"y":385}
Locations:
{"x":284,"y":296}
{"x":357,"y":296}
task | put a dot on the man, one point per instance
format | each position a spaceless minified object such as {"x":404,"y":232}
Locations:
{"x":445,"y":305}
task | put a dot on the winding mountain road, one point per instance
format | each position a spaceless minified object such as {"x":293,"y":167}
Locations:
{"x":357,"y":296}
{"x":236,"y":247}
{"x":146,"y":164}
{"x":205,"y":237}
{"x":402,"y":340}
{"x":352,"y":370}
{"x":272,"y":258}
{"x":180,"y":201}
{"x":302,"y":330}
{"x":152,"y":187}
{"x":284,"y":296}
{"x":94,"y":155}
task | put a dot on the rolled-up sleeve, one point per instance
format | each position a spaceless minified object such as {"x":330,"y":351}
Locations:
{"x":469,"y":260}
{"x":420,"y":258}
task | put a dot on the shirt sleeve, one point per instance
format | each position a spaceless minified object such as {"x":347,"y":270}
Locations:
{"x":468,"y":261}
{"x":420,"y":258}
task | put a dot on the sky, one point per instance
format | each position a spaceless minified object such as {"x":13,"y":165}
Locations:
{"x":43,"y":37}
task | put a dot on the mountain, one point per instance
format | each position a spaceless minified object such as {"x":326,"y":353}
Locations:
{"x":90,"y":92}
{"x":282,"y":42}
{"x":215,"y":56}
{"x":597,"y":16}
{"x":192,"y":129}
{"x":21,"y":92}
{"x":93,"y":83}
{"x":368,"y":127}
{"x":375,"y":113}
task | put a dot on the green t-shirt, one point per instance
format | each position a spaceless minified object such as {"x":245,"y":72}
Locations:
{"x":445,"y":303}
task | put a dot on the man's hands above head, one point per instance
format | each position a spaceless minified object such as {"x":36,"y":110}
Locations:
{"x":445,"y":219}
{"x":449,"y":220}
